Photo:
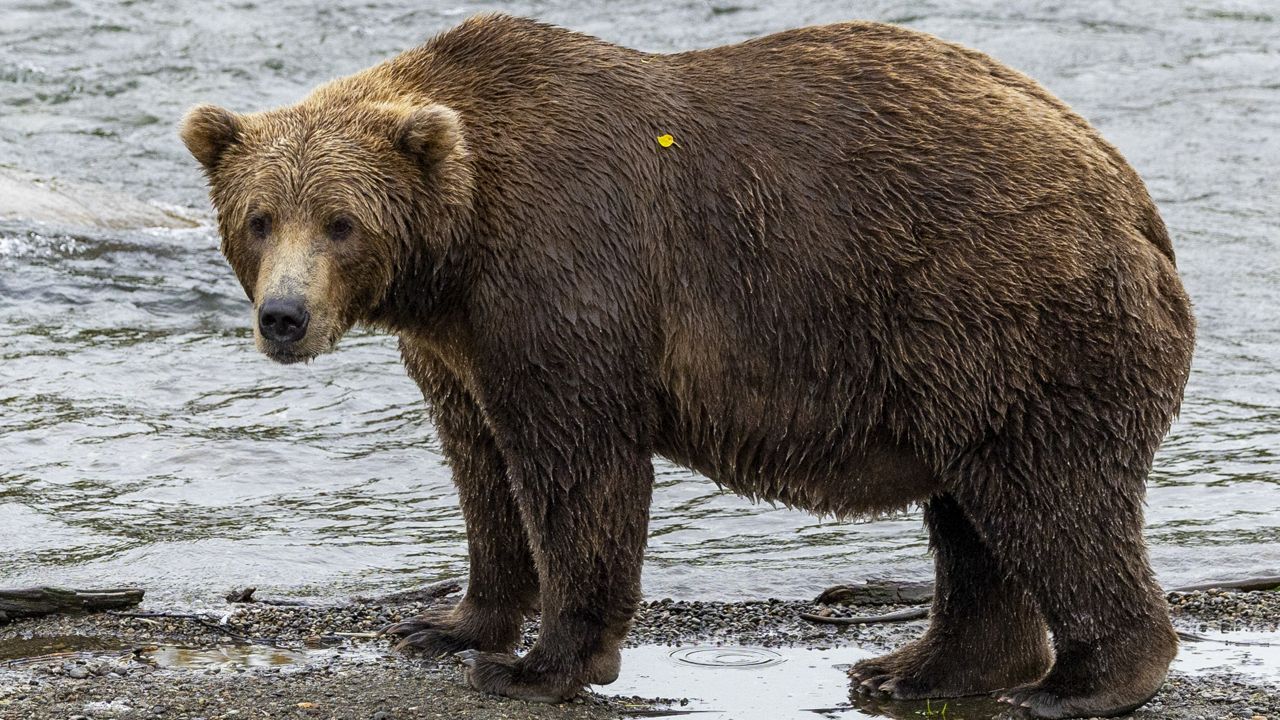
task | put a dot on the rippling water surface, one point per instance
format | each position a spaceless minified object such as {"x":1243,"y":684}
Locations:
{"x":145,"y":441}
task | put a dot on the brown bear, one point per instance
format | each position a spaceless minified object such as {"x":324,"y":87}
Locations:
{"x":846,"y":268}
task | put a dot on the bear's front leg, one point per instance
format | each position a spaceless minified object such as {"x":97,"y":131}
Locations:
{"x":503,"y":583}
{"x":584,"y":497}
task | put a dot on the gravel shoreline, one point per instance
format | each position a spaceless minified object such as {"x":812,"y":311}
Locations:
{"x":321,"y":661}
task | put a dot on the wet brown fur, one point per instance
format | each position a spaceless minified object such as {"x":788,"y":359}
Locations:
{"x":875,"y":269}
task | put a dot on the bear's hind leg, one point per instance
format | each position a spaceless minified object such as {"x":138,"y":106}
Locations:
{"x":985,"y":632}
{"x":1072,"y":531}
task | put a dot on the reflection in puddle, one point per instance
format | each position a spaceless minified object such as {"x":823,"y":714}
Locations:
{"x":229,"y":656}
{"x":968,"y":708}
{"x":17,"y":653}
{"x":22,"y":651}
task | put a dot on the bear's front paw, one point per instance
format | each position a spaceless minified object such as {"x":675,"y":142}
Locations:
{"x":889,"y":676}
{"x":465,"y":627}
{"x":930,"y":668}
{"x":873,"y":667}
{"x":502,"y":674}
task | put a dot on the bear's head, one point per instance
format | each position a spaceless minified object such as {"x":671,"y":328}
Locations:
{"x":327,"y":209}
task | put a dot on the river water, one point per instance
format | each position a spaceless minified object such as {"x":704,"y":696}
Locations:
{"x":145,"y":441}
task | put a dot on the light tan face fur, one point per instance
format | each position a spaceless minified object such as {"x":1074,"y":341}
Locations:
{"x":316,"y":207}
{"x":296,"y":266}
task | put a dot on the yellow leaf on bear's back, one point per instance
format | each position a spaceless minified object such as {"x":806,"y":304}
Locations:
{"x":666,"y":141}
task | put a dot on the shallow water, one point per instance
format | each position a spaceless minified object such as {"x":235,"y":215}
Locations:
{"x":146,"y":442}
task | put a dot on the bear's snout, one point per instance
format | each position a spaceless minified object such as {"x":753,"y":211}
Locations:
{"x":283,"y":320}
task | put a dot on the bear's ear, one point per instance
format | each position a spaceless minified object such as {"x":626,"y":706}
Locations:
{"x":208,"y":131}
{"x":430,"y":135}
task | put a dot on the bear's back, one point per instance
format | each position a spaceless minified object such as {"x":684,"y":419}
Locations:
{"x":910,"y":138}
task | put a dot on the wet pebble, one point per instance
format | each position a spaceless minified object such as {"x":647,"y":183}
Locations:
{"x":1228,"y":611}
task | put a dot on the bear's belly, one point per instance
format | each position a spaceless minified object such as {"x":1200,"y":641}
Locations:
{"x":810,"y":460}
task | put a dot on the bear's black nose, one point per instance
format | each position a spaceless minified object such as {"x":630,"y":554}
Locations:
{"x":283,"y":320}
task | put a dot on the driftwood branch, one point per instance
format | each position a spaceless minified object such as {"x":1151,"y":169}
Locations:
{"x":37,"y":601}
{"x":916,"y":613}
{"x":434,"y":591}
{"x":877,"y":592}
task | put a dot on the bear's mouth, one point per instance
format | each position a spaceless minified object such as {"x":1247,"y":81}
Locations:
{"x":289,"y":357}
{"x":303,"y":351}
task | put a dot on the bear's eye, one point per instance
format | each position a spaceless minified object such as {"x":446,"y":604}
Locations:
{"x":340,"y":227}
{"x":260,"y":225}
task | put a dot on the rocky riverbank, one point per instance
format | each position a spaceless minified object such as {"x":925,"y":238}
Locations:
{"x":323,"y":661}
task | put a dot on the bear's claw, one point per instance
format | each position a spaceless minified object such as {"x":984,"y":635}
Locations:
{"x":426,"y":634}
{"x":403,"y":628}
{"x":895,"y":687}
{"x":872,"y":685}
{"x":432,"y":642}
{"x":1040,"y":702}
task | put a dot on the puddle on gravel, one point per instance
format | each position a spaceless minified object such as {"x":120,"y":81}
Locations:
{"x":26,"y":652}
{"x":750,"y":683}
{"x":23,"y":651}
{"x":1254,"y":655}
{"x":230,"y":656}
